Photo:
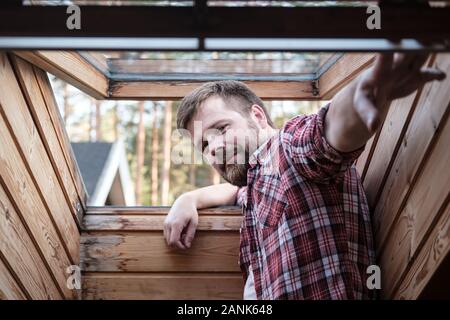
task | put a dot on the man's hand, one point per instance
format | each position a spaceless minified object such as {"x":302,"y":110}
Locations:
{"x":391,"y":77}
{"x":182,"y":219}
{"x":358,"y":110}
{"x":181,"y":222}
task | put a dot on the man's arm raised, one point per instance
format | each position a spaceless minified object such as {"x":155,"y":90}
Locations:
{"x":358,"y":110}
{"x":182,"y":219}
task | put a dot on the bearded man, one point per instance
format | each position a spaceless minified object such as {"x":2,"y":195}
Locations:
{"x":306,"y":230}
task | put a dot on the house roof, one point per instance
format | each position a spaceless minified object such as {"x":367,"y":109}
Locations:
{"x":91,"y":158}
{"x":105,"y":171}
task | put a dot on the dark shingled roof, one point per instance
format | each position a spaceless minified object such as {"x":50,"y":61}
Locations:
{"x":91,"y":158}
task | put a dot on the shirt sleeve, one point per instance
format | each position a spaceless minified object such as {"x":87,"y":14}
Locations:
{"x":242,"y":191}
{"x":304,"y":142}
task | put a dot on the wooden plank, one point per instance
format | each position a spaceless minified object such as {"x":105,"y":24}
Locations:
{"x":342,"y":72}
{"x":70,"y":67}
{"x":391,"y":135}
{"x":9,"y":289}
{"x":23,"y":130}
{"x":172,"y":90}
{"x":419,"y":137}
{"x":422,"y":209}
{"x":159,"y":210}
{"x":38,"y":109}
{"x":432,"y":187}
{"x":164,"y":286}
{"x":23,"y":258}
{"x":156,"y":222}
{"x":435,"y":250}
{"x":58,"y":124}
{"x":437,"y":288}
{"x":363,"y":160}
{"x":14,"y":174}
{"x":148,"y":252}
{"x":97,"y":59}
{"x":387,"y":145}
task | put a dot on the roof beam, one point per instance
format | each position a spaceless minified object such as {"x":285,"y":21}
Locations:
{"x":174,"y":90}
{"x":72,"y":68}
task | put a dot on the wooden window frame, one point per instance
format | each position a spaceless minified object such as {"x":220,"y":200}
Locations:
{"x":71,"y":67}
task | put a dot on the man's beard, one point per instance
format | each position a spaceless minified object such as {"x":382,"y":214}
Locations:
{"x":236,"y":174}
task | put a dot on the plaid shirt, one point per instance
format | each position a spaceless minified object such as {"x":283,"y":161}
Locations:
{"x":306,"y":230}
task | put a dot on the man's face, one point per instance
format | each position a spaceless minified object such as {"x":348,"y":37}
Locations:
{"x":225,"y":137}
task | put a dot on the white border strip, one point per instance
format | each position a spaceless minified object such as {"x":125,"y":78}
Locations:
{"x":236,"y":44}
{"x":325,"y":44}
{"x":102,"y":43}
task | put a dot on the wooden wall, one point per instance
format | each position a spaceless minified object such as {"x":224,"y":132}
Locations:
{"x":124,"y":256}
{"x":407,"y":180}
{"x":41,"y":192}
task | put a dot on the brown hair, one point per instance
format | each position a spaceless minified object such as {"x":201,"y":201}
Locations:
{"x":226,"y":89}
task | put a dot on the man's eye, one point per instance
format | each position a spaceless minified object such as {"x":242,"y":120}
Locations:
{"x":222,"y":128}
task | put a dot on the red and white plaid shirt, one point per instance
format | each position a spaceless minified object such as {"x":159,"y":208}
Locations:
{"x":306,"y":230}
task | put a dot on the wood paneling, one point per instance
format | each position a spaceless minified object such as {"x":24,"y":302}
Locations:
{"x":429,"y":194}
{"x":419,"y":137}
{"x":39,"y":200}
{"x":125,"y":256}
{"x":63,"y":138}
{"x":22,"y":256}
{"x":363,"y":161}
{"x":44,"y":124}
{"x":430,"y":258}
{"x":211,"y":251}
{"x":387,"y":144}
{"x":226,"y":218}
{"x":407,"y":182}
{"x":155,"y":222}
{"x":24,"y":131}
{"x":9,"y":289}
{"x":15,"y":176}
{"x":159,"y":210}
{"x":184,"y":286}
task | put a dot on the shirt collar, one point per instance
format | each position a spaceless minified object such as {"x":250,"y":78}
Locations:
{"x":261,"y":154}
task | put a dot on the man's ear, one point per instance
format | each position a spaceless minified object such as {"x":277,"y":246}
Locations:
{"x":258,"y":115}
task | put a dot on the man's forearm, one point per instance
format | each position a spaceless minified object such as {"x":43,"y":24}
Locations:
{"x":344,"y":129}
{"x":213,"y":196}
